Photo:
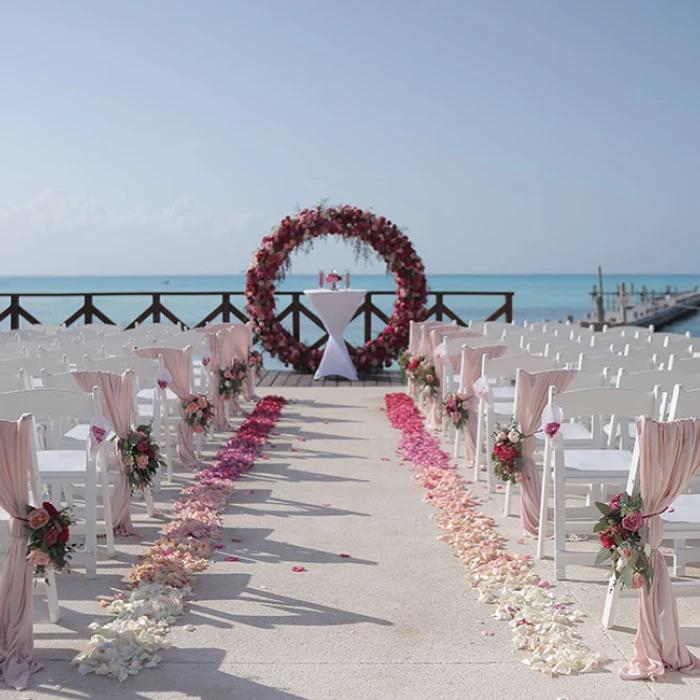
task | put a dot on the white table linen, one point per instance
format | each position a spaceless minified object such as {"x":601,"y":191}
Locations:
{"x":336,"y":310}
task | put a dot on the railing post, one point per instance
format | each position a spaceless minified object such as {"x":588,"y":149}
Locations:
{"x":156,"y":308}
{"x":438,"y":306}
{"x":509,"y":307}
{"x":14,"y":312}
{"x":368,"y":317}
{"x":88,"y":308}
{"x":226,"y":307}
{"x":296,"y":316}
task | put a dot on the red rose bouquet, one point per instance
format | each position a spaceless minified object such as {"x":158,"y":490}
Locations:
{"x":621,"y":528}
{"x":454,"y":407}
{"x":48,"y":534}
{"x":231,"y":379}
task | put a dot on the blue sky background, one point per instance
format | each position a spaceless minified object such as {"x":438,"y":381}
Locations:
{"x":505,"y":136}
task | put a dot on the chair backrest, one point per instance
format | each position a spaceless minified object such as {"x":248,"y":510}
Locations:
{"x":684,"y":404}
{"x":606,"y":401}
{"x":685,"y":365}
{"x":14,"y":382}
{"x":454,"y":346}
{"x":144,"y":368}
{"x":33,"y":365}
{"x":613,"y":363}
{"x":63,"y":380}
{"x":506,"y":367}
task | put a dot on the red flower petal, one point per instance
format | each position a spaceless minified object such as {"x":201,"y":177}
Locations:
{"x":235,"y":539}
{"x":345,"y":556}
{"x":231,"y":559}
{"x":325,"y":505}
{"x":218,"y":546}
{"x":298,"y":569}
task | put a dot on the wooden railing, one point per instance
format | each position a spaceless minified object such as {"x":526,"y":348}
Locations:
{"x":228,"y":312}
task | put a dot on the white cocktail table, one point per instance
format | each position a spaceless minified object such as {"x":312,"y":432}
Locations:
{"x":336,"y":310}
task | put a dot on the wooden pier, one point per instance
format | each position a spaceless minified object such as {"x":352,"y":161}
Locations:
{"x":285,"y":378}
{"x":627,"y":307}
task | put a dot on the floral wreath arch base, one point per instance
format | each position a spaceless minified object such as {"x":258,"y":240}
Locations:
{"x":349,"y":222}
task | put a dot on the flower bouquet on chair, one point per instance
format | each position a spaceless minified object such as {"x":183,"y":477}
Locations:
{"x":142,"y":455}
{"x":506,"y":457}
{"x":255,"y":361}
{"x":199,"y":412}
{"x":621,"y":528}
{"x":48,"y":533}
{"x":333,"y":279}
{"x":454,"y":407}
{"x":426,"y":378}
{"x":231,"y":379}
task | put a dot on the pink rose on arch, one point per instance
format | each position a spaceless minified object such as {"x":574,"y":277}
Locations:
{"x":38,"y":518}
{"x":632,"y":521}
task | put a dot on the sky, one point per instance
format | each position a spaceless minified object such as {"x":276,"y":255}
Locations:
{"x":503,"y":136}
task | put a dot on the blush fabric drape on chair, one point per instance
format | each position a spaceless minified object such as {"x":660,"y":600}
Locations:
{"x":669,"y":456}
{"x":17,"y":661}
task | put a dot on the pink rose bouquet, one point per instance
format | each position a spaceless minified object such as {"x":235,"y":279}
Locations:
{"x":621,"y":530}
{"x":506,"y":458}
{"x":199,"y":412}
{"x":454,"y":406}
{"x":231,"y":379}
{"x":141,"y":453}
{"x":48,"y":534}
{"x":255,"y":360}
{"x":425,"y":376}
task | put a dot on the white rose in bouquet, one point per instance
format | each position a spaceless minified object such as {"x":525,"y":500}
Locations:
{"x":514,"y":436}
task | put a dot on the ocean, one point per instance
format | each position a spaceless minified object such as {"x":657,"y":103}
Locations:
{"x":537,"y":297}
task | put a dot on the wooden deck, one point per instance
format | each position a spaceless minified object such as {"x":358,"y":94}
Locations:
{"x":280,"y":378}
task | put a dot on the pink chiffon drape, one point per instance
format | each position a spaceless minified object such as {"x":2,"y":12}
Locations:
{"x":117,"y":396}
{"x":17,"y":660}
{"x":221,"y":348}
{"x":242,"y":336}
{"x":437,"y":335}
{"x":178,"y":361}
{"x":669,"y":456}
{"x":533,"y":393}
{"x":471,"y":360}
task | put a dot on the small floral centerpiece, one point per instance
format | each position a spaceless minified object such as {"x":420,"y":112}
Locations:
{"x":48,"y":533}
{"x":621,"y":528}
{"x":199,"y":412}
{"x":141,"y":454}
{"x":332,"y":279}
{"x":255,"y":360}
{"x":454,"y":407}
{"x":231,"y":379}
{"x":506,"y":457}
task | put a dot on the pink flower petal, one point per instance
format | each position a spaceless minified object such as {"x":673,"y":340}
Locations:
{"x":235,"y":539}
{"x":385,"y":459}
{"x":218,"y":546}
{"x":298,"y":569}
{"x":325,"y":505}
{"x":231,"y":559}
{"x":302,"y":439}
{"x":326,"y":422}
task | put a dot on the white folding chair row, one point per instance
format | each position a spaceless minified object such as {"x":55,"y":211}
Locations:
{"x":63,"y":472}
{"x":49,"y":581}
{"x":14,"y":382}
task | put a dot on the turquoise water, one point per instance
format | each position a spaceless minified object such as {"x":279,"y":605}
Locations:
{"x":537,"y":297}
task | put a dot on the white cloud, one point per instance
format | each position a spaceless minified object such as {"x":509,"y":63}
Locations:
{"x":60,"y":233}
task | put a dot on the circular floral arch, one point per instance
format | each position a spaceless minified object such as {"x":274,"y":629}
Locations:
{"x":272,"y":259}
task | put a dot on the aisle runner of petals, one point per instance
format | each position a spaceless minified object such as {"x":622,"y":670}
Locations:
{"x":539,"y":625}
{"x":163,"y":580}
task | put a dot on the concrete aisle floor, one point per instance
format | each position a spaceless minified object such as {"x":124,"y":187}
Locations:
{"x":394,"y":620}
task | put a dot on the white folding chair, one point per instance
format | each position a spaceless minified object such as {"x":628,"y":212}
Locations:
{"x":63,"y":472}
{"x":595,"y":468}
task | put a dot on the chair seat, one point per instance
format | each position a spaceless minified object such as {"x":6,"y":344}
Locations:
{"x":62,"y":464}
{"x":503,"y":409}
{"x":597,"y":464}
{"x":148,"y":394}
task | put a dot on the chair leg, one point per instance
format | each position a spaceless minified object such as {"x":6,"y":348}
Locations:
{"x":479,"y":431}
{"x":507,"y":502}
{"x":150,"y":505}
{"x":679,"y":557}
{"x":611,"y":603}
{"x":52,"y":597}
{"x":91,"y":525}
{"x":559,"y":526}
{"x":544,"y":501}
{"x":167,"y":440}
{"x":106,"y":508}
